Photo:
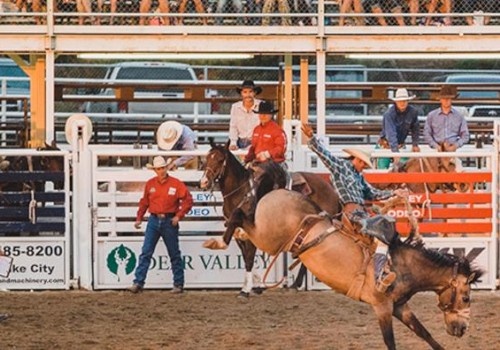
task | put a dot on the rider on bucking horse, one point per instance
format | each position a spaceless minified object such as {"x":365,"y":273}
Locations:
{"x":353,"y":190}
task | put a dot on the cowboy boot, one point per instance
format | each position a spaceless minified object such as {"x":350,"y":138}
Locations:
{"x":383,"y":280}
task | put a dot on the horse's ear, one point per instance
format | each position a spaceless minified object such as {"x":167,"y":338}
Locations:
{"x":211,"y":142}
{"x":226,"y":146}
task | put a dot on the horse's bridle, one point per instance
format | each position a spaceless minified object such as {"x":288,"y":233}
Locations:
{"x":216,"y":177}
{"x":453,"y":286}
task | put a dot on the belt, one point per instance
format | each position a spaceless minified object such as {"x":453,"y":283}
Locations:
{"x":163,"y":216}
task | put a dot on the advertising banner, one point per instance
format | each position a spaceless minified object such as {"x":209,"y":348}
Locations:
{"x":35,"y":265}
{"x":204,"y":268}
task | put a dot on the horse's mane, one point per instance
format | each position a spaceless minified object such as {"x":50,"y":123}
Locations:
{"x":439,"y":259}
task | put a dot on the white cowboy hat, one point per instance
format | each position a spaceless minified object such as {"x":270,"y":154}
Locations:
{"x":402,"y":95}
{"x":359,"y":153}
{"x":158,"y":162}
{"x":75,"y":118}
{"x":168,"y":134}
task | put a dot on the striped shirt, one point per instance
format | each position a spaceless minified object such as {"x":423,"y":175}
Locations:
{"x":350,"y":185}
{"x":451,"y":128}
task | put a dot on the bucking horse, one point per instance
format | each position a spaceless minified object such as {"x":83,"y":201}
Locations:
{"x":343,"y":260}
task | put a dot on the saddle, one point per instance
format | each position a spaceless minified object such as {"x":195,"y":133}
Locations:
{"x":299,"y":184}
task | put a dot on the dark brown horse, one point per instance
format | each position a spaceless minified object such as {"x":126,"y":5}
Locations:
{"x":236,"y":185}
{"x":341,"y":262}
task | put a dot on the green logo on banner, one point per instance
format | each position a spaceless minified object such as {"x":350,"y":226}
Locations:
{"x":121,"y":261}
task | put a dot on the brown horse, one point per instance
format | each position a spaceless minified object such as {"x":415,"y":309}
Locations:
{"x":236,"y":185}
{"x":429,"y":165}
{"x":339,"y":261}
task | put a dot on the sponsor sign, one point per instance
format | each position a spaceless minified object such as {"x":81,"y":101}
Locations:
{"x":35,"y":265}
{"x":117,"y":261}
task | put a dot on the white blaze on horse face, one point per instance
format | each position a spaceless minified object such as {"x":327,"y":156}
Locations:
{"x":204,"y":181}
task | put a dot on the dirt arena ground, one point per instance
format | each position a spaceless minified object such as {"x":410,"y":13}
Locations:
{"x":278,"y":319}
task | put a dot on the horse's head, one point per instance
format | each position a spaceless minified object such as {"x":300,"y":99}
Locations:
{"x":449,"y":165}
{"x":454,"y":298}
{"x":215,"y":166}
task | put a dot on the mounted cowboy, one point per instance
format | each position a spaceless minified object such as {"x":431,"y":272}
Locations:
{"x":353,"y":191}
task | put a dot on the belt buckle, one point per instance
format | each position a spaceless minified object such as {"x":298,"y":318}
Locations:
{"x":162,"y":216}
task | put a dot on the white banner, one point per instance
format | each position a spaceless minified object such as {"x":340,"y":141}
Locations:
{"x":204,"y":268}
{"x":36,"y":265}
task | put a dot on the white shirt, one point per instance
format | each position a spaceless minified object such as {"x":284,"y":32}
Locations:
{"x":242,"y":121}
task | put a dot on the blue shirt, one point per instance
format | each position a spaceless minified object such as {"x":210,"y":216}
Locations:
{"x":397,"y":125}
{"x":350,"y":185}
{"x":187,"y":142}
{"x":441,"y":127}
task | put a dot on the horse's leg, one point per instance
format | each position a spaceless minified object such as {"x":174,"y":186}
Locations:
{"x":235,"y":221}
{"x":248,"y":250}
{"x":407,"y":317}
{"x":384,"y":315}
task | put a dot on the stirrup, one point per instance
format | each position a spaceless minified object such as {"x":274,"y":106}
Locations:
{"x":383,"y":283}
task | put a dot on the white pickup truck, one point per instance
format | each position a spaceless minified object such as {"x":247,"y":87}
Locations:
{"x":152,"y":72}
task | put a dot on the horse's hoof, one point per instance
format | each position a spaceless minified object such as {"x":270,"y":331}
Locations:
{"x":244,"y":295}
{"x":258,"y":290}
{"x":214,"y":243}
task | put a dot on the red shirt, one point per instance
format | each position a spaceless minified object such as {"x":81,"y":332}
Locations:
{"x":168,"y":196}
{"x":269,"y":137}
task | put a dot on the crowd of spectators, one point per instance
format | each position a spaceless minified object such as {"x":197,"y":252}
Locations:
{"x":249,"y":12}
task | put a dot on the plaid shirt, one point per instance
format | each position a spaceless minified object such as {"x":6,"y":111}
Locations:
{"x":350,"y":185}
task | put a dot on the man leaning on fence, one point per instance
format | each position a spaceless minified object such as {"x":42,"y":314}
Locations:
{"x":446,"y":125}
{"x":399,"y":120}
{"x":353,"y":190}
{"x":174,"y":136}
{"x":168,"y":201}
{"x":243,"y":118}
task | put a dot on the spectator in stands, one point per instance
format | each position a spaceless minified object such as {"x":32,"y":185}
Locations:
{"x":173,"y":136}
{"x":441,"y":6}
{"x":446,"y":125}
{"x":347,"y":6}
{"x":413,"y":8}
{"x":145,"y":7}
{"x":478,"y":7}
{"x":283,"y":8}
{"x":238,"y":8}
{"x":385,"y":6}
{"x":304,"y":7}
{"x":398,"y":121}
{"x":268,"y":139}
{"x":243,"y":118}
{"x":198,"y":6}
{"x":168,"y":201}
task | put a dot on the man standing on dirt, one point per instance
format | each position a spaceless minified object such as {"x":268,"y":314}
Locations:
{"x":243,"y":118}
{"x":168,"y":201}
{"x":353,"y":190}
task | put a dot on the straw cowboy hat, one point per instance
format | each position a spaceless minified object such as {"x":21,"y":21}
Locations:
{"x":359,"y":153}
{"x":265,"y":108}
{"x":158,"y":162}
{"x":402,"y":95}
{"x":168,"y":134}
{"x":249,"y":84}
{"x":448,"y":91}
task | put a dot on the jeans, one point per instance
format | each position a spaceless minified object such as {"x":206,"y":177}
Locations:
{"x":243,"y":143}
{"x":160,"y":227}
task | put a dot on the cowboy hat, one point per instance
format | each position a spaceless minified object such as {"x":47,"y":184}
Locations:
{"x":158,"y":162}
{"x":265,"y":108}
{"x":168,"y":134}
{"x":359,"y":153}
{"x":402,"y":95}
{"x":249,"y":84}
{"x":448,"y":91}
